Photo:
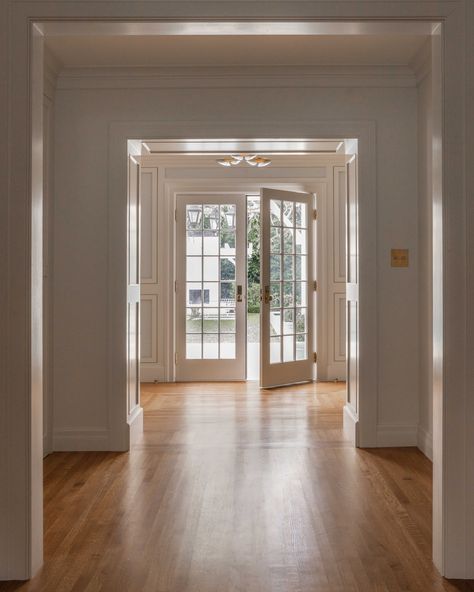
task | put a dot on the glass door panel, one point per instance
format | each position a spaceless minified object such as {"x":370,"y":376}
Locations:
{"x":286,"y":312}
{"x":210,"y":298}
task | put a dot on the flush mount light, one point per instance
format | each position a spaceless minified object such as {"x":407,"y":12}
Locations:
{"x":250,"y":159}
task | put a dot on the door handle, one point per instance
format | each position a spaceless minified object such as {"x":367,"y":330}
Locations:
{"x":267,"y":297}
{"x":239,"y":293}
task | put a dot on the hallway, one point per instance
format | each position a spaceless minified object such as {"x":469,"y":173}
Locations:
{"x":237,"y":489}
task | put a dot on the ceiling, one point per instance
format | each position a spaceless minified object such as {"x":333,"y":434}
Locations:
{"x":235,"y":50}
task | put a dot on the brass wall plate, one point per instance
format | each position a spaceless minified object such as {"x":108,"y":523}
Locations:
{"x":399,"y":258}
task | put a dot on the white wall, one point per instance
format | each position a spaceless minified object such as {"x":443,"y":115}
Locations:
{"x":425,"y":255}
{"x":83,"y":114}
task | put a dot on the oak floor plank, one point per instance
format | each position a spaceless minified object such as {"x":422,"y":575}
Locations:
{"x":237,"y":489}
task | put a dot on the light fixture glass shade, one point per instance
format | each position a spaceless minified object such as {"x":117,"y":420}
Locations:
{"x":250,"y":159}
{"x":194,"y":216}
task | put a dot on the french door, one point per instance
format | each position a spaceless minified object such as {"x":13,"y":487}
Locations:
{"x":286,"y":327}
{"x":210,"y":287}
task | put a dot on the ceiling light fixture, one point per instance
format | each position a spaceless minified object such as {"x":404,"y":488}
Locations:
{"x":250,"y":159}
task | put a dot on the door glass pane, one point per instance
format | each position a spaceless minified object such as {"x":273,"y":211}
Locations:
{"x":288,"y":267}
{"x":301,"y":293}
{"x":288,"y":321}
{"x":211,"y":217}
{"x":275,"y":289}
{"x":193,"y":346}
{"x":300,"y":239}
{"x":301,"y":266}
{"x":210,"y":346}
{"x":275,"y":268}
{"x":227,"y":346}
{"x":275,"y":350}
{"x":300,"y":215}
{"x":194,"y":293}
{"x":275,"y":239}
{"x":301,"y":347}
{"x":227,"y":242}
{"x":227,"y":293}
{"x":288,"y":353}
{"x":193,"y":269}
{"x":194,"y":319}
{"x":210,"y":294}
{"x":288,"y":213}
{"x":301,"y":320}
{"x":289,"y":240}
{"x":194,"y":242}
{"x":228,"y":216}
{"x":275,"y":322}
{"x":211,"y":320}
{"x":227,"y":320}
{"x":288,"y":294}
{"x":275,"y":212}
{"x":194,"y":217}
{"x":227,"y":268}
{"x":211,"y":269}
{"x":211,"y":242}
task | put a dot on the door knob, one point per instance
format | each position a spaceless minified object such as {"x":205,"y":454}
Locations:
{"x":239,"y":293}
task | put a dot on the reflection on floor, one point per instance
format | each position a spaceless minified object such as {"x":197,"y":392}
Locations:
{"x":236,"y":489}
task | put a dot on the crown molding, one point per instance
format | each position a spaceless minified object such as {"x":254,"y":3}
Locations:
{"x":236,"y":77}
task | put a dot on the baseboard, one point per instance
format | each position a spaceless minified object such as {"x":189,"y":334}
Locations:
{"x":350,"y":424}
{"x":135,"y":421}
{"x":81,"y":439}
{"x":425,"y":442}
{"x":336,"y":371}
{"x":389,"y":435}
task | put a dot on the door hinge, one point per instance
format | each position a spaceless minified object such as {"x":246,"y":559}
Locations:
{"x":175,"y":357}
{"x":315,"y":285}
{"x":176,"y":215}
{"x":315,"y":214}
{"x":175,"y":285}
{"x":315,"y":357}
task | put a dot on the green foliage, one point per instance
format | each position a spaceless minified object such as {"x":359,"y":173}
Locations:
{"x":253,"y":298}
{"x":253,"y":262}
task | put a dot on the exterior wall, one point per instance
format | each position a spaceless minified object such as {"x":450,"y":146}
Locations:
{"x":82,"y":121}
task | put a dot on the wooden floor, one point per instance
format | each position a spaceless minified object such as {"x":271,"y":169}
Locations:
{"x":239,"y":490}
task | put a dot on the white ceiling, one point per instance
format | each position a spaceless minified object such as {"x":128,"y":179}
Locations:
{"x":235,"y":50}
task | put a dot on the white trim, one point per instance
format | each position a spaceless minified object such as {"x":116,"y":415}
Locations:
{"x":135,"y":422}
{"x":425,"y":442}
{"x":397,"y":435}
{"x":350,"y":423}
{"x":81,"y":439}
{"x":241,"y":77}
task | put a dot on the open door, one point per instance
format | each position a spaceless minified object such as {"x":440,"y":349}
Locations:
{"x":287,"y":288}
{"x":133,"y":292}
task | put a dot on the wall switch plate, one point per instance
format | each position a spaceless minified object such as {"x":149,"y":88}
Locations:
{"x":399,"y":257}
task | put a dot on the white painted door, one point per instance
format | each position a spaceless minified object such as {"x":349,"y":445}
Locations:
{"x":133,"y":288}
{"x":210,"y":287}
{"x":286,"y":327}
{"x":352,"y":288}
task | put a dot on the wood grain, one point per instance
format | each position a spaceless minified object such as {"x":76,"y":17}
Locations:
{"x":233,"y":489}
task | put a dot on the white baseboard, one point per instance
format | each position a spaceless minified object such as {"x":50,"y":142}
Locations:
{"x":425,"y":442}
{"x":81,"y":439}
{"x":350,"y":424}
{"x":135,"y":421}
{"x":152,"y":373}
{"x":397,"y":435}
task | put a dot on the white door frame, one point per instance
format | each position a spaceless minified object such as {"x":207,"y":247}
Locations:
{"x":453,"y":436}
